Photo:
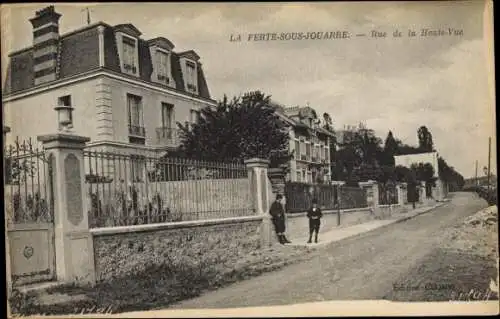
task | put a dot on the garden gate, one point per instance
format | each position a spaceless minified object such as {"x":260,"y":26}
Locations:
{"x":29,"y":210}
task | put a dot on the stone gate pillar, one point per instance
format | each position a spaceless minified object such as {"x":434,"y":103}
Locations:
{"x":371,"y":188}
{"x":257,"y":174}
{"x":422,"y":193}
{"x":73,"y":241}
{"x":6,"y":130}
{"x":403,"y":193}
{"x":400,"y":190}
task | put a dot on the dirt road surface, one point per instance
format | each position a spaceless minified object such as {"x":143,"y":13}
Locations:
{"x":360,"y":268}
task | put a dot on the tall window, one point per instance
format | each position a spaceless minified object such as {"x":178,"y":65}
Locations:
{"x":195,"y":116}
{"x":129,"y":53}
{"x":297,"y":149}
{"x":135,"y":115}
{"x":299,"y":175}
{"x":308,"y":150}
{"x":167,"y":115}
{"x":162,"y":65}
{"x":303,"y":155}
{"x":190,"y":76}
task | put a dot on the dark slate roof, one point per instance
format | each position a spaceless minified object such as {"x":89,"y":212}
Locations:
{"x":79,"y":53}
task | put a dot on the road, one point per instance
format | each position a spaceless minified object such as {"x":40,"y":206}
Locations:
{"x":360,"y":268}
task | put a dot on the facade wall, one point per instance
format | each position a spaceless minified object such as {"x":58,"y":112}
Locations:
{"x":300,"y":171}
{"x":151,"y":104}
{"x":100,"y":110}
{"x":35,"y":115}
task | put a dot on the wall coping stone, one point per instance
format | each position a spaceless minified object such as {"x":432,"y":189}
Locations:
{"x":103,"y":231}
{"x":388,"y":206}
{"x":257,"y":162}
{"x":63,"y":137}
{"x":330,"y":211}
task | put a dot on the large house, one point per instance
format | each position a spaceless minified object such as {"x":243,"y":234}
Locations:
{"x":310,"y":144}
{"x":127,"y":92}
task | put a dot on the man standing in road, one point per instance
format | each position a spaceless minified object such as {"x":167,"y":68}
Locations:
{"x":277,"y":213}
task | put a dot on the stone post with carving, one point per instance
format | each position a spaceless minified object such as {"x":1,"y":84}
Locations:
{"x":73,"y":241}
{"x":257,"y":174}
{"x":6,"y":130}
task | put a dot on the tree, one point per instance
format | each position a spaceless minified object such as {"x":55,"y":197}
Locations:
{"x":425,"y":143}
{"x":327,"y":122}
{"x":390,"y":149}
{"x":236,"y":130}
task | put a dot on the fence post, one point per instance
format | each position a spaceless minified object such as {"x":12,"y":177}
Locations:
{"x":371,"y":188}
{"x":259,"y":189}
{"x":338,"y":184}
{"x":73,"y":241}
{"x":423,"y":194}
{"x":403,"y":187}
{"x":6,"y":130}
{"x":399,"y":190}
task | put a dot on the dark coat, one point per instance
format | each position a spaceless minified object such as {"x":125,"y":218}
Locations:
{"x":277,"y":213}
{"x":314,"y":213}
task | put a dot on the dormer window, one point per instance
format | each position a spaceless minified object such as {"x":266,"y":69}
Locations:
{"x":191,"y":76}
{"x":129,"y":54}
{"x":162,"y":66}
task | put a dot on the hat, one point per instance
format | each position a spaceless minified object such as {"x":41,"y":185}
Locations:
{"x":279,"y":196}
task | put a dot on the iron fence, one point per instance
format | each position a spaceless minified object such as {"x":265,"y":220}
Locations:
{"x":299,"y":197}
{"x":128,"y":189}
{"x":388,"y":195}
{"x":28,"y":183}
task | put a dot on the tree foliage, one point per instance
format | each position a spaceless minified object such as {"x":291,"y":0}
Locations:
{"x":390,"y":150}
{"x":425,"y":142}
{"x":361,"y":157}
{"x":235,"y":130}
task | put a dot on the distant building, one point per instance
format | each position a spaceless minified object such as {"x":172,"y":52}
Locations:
{"x":439,"y":191}
{"x":348,"y":132}
{"x":310,"y":144}
{"x":127,"y":92}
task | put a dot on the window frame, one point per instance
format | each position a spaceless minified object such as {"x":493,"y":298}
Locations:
{"x":140,"y":114}
{"x":133,"y":44}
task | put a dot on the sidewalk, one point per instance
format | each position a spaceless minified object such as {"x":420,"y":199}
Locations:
{"x":338,"y":234}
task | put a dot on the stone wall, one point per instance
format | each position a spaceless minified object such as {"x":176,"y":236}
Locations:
{"x":125,"y":251}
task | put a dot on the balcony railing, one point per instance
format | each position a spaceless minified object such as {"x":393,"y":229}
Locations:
{"x":139,"y":131}
{"x":167,"y":136}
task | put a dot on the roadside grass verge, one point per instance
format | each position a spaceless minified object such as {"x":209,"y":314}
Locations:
{"x":160,"y":285}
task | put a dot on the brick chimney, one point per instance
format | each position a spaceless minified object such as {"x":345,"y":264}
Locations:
{"x":45,"y":44}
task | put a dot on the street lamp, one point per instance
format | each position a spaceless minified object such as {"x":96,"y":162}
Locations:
{"x":64,"y":117}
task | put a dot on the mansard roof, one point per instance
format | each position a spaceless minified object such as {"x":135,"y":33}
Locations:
{"x":79,"y":53}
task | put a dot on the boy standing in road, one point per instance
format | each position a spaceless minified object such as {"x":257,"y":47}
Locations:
{"x":314,"y":214}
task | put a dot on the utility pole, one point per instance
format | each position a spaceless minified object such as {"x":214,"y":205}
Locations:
{"x":489,"y":161}
{"x":475,"y":180}
{"x":88,"y":14}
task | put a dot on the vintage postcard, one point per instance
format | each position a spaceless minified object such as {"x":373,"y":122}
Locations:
{"x":250,"y":159}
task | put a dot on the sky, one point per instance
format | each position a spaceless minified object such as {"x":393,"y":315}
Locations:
{"x":398,"y":84}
